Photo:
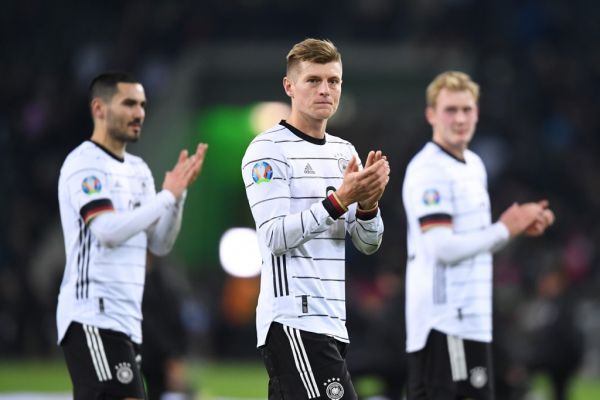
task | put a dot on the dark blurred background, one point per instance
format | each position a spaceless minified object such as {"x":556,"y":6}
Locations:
{"x":207,"y":65}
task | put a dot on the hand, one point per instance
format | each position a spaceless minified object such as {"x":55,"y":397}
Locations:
{"x":198,"y":161}
{"x":539,"y":226}
{"x":373,"y":201}
{"x":517,"y":218}
{"x":185,"y":171}
{"x":367,"y":185}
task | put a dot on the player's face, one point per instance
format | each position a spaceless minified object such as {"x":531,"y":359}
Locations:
{"x":125,"y":113}
{"x":453,"y":118}
{"x":315,"y":89}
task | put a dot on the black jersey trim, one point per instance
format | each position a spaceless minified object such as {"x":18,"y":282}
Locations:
{"x":280,"y":280}
{"x":110,"y":153}
{"x":95,"y":207}
{"x":460,"y":160}
{"x":83,"y":262}
{"x":303,"y":135}
{"x":435,"y":219}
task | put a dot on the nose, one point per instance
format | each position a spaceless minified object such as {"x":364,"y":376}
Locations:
{"x":324,"y":88}
{"x":140,"y":113}
{"x":461,"y":116}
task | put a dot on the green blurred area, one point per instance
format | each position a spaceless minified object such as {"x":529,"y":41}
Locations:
{"x":243,"y":380}
{"x":218,"y":200}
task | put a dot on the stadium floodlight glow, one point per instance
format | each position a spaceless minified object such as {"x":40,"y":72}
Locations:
{"x":266,"y":114}
{"x":239,"y":253}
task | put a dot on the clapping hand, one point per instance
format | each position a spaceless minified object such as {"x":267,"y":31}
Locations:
{"x":186,"y":171}
{"x":365,"y":186}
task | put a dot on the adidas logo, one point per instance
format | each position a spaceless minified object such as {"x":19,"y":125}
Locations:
{"x":308,"y":169}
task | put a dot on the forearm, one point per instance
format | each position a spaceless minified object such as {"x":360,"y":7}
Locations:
{"x":366,"y":231}
{"x":162,"y":235}
{"x":450,"y":248}
{"x":286,"y":232}
{"x":115,"y":228}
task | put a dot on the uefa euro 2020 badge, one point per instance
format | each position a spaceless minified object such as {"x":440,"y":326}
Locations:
{"x":334,"y":390}
{"x":124,"y":372}
{"x":91,"y":185}
{"x":431,"y":197}
{"x":262,"y":172}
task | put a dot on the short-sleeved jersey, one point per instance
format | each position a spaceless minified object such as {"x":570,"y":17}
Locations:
{"x":102,"y":286}
{"x":287,"y":175}
{"x":456,"y":299}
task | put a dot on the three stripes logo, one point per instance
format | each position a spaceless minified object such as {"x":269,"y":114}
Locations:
{"x":97,"y":352}
{"x":302,"y":362}
{"x":280,"y":279}
{"x":308,"y":169}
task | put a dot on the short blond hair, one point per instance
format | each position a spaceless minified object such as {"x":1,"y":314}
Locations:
{"x":320,"y":51}
{"x":454,"y":81}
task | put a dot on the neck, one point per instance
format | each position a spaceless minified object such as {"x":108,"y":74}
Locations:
{"x":312,"y":127}
{"x":117,"y":147}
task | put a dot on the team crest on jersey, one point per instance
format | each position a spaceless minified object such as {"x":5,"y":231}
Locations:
{"x":431,"y":197}
{"x":262,"y":172}
{"x":124,"y":372}
{"x":342,"y":162}
{"x":479,"y":377}
{"x":91,"y":185}
{"x":334,"y":389}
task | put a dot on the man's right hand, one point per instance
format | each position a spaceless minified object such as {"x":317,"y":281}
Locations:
{"x":366,"y":184}
{"x":185,"y":171}
{"x":518,"y":218}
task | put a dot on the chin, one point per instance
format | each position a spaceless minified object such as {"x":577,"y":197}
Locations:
{"x":324,"y":114}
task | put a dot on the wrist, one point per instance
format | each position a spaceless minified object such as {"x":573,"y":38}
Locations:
{"x":341,"y":197}
{"x":368,"y":207}
{"x":367,"y":214}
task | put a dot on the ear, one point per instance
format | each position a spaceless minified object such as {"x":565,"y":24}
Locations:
{"x":98,"y":109}
{"x":288,"y":86}
{"x":430,"y":115}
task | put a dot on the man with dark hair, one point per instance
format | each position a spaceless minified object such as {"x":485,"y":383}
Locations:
{"x":306,"y":189}
{"x":110,"y":215}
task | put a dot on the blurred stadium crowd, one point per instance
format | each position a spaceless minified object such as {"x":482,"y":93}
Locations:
{"x":538,"y":63}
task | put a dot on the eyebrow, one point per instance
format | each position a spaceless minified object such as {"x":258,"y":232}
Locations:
{"x":131,"y":100}
{"x":339,"y":78}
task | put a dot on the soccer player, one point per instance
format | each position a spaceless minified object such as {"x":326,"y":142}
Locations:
{"x":110,"y":215}
{"x":306,"y":189}
{"x":450,"y":243}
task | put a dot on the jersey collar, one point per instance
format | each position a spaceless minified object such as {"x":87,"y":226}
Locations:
{"x":461,"y":160}
{"x":107,"y":151}
{"x":301,"y":134}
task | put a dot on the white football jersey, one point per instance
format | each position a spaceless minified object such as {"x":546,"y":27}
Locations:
{"x":288,"y":174}
{"x":441,"y":190}
{"x":102,"y":286}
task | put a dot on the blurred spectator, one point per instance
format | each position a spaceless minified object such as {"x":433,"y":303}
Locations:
{"x":165,"y":337}
{"x":556,"y":344}
{"x":378,"y":338}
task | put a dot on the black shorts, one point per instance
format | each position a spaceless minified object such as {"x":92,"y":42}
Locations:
{"x":305,"y":365}
{"x":103,"y":364}
{"x":451,"y":368}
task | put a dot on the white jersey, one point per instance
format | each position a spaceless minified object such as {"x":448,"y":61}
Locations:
{"x":456,"y":299}
{"x":102,"y":286}
{"x":288,"y":176}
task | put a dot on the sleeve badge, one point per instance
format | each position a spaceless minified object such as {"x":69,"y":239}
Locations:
{"x":262,"y":172}
{"x":431,"y":197}
{"x":91,"y":185}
